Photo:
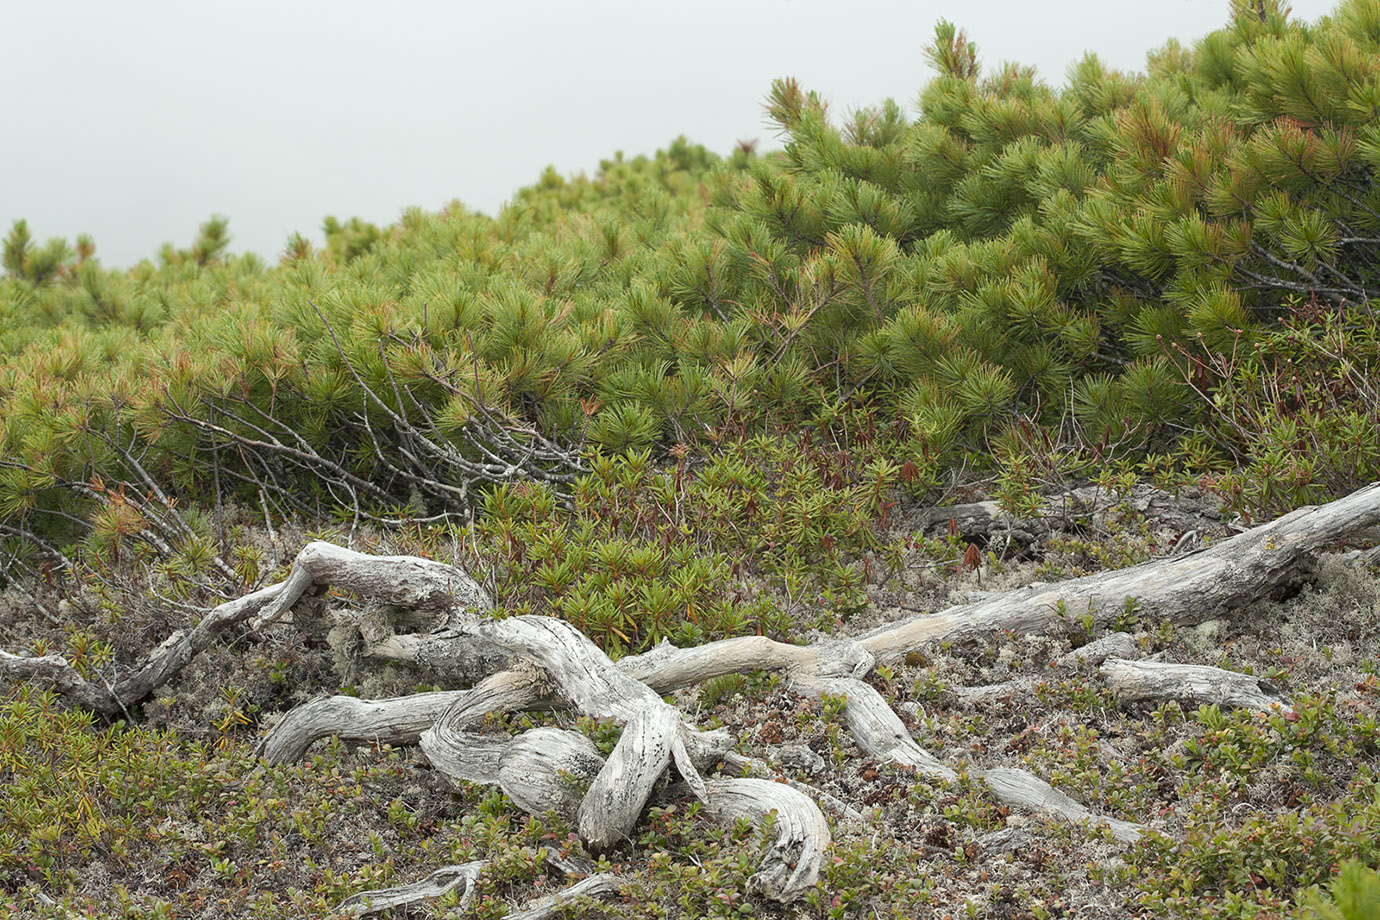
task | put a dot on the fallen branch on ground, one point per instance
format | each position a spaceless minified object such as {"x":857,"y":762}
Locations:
{"x":1134,"y":681}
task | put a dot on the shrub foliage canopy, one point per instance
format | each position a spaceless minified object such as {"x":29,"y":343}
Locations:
{"x":1098,"y":260}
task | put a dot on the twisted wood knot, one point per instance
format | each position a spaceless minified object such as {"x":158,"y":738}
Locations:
{"x":844,"y":658}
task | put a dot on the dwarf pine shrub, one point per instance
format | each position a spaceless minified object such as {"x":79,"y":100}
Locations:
{"x":1098,"y":260}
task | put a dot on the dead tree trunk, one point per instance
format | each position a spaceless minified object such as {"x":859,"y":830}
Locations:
{"x":1184,"y":590}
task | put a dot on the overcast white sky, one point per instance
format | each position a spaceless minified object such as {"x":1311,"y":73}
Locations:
{"x":135,"y":121}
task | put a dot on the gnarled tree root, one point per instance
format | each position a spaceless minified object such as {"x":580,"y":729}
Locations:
{"x":544,"y":661}
{"x":466,"y":875}
{"x":546,"y":768}
{"x":439,"y":883}
{"x":1018,"y":787}
{"x":799,"y":835}
{"x":596,"y":886}
{"x":401,"y":580}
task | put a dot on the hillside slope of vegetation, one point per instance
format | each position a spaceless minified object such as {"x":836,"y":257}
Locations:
{"x":698,"y":396}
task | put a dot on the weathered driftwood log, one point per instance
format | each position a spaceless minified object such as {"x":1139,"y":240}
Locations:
{"x":1185,"y":589}
{"x":875,"y":726}
{"x":397,"y":721}
{"x":448,"y":878}
{"x":800,"y":835}
{"x":545,"y":768}
{"x":655,"y":733}
{"x":1026,"y":790}
{"x":457,"y":751}
{"x":1133,"y":681}
{"x":596,"y":886}
{"x":441,"y":882}
{"x":404,"y":581}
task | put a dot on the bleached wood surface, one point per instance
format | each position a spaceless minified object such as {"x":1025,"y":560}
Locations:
{"x":800,"y":835}
{"x":596,"y":886}
{"x":400,"y":720}
{"x":441,"y":882}
{"x":1133,"y":681}
{"x":1025,"y":790}
{"x":1184,"y":590}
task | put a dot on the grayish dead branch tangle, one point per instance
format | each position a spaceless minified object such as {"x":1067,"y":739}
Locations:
{"x":532,"y":662}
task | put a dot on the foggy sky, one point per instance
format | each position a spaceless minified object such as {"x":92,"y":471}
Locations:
{"x":135,"y":121}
